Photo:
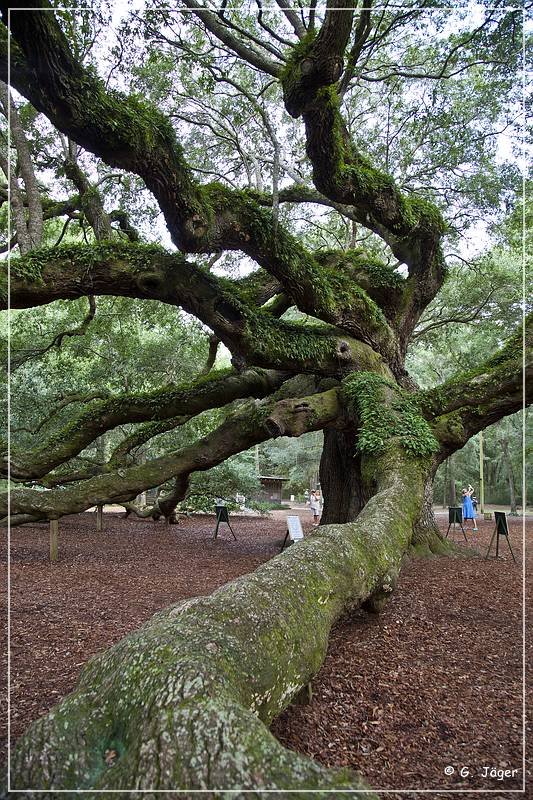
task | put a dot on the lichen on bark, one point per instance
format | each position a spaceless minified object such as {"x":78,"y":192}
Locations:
{"x":225,"y":665}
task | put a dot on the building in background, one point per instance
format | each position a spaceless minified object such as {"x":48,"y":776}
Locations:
{"x":271,"y":489}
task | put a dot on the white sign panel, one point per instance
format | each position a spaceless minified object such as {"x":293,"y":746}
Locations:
{"x":294,"y":526}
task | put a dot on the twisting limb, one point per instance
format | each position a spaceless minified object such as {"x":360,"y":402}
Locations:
{"x":214,"y":342}
{"x":250,"y":424}
{"x":297,"y":24}
{"x":120,"y":457}
{"x":212,"y":391}
{"x":90,"y":201}
{"x":322,"y":62}
{"x":165,"y":504}
{"x":247,"y":50}
{"x":120,"y":216}
{"x":200,"y":219}
{"x":466,"y":404}
{"x":362,"y":32}
{"x":253,"y":335}
{"x":33,"y":197}
{"x":412,"y":227}
{"x":17,"y":206}
{"x":63,"y":402}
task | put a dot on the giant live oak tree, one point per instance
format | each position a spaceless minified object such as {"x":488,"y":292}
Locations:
{"x":318,"y":340}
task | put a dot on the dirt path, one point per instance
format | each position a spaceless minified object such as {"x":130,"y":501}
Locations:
{"x":433,"y":682}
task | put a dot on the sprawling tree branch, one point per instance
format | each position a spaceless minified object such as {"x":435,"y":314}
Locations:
{"x":222,"y":30}
{"x":121,"y":456}
{"x":212,"y":391}
{"x":34,"y":223}
{"x":207,"y":688}
{"x":181,"y":702}
{"x":90,"y":201}
{"x":200,"y":219}
{"x":412,"y":227}
{"x":466,"y":404}
{"x":145,"y":271}
{"x":250,"y":424}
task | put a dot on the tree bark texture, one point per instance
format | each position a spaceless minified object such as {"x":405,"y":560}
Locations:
{"x":341,"y":482}
{"x":184,"y":702}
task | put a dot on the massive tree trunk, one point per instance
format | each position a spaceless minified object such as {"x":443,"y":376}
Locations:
{"x":340,"y":477}
{"x":185,"y":701}
{"x":427,"y":538}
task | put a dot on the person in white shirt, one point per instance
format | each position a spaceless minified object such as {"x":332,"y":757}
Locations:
{"x":315,"y":504}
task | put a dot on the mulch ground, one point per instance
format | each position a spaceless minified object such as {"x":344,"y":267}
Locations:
{"x":433,"y":682}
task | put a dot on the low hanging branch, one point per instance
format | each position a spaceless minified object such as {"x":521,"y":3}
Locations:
{"x":213,"y":688}
{"x":62,"y":403}
{"x":247,"y":426}
{"x":213,"y":391}
{"x":121,"y":456}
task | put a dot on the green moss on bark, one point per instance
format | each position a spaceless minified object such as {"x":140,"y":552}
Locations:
{"x":386,"y":422}
{"x":184,"y":699}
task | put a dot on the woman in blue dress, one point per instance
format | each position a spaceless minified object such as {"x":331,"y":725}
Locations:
{"x":468,"y":508}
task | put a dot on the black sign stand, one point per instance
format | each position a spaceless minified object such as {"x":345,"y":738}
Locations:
{"x":501,"y":529}
{"x":223,"y":516}
{"x":455,"y":517}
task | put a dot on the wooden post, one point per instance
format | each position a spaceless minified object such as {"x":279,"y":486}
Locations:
{"x":99,"y":519}
{"x":54,"y":532}
{"x":481,"y":476}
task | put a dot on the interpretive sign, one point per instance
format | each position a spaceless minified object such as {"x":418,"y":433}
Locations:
{"x":501,"y":529}
{"x":223,"y":516}
{"x":455,"y":517}
{"x":294,"y":530}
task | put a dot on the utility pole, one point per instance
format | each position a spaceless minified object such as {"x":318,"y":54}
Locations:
{"x":481,"y":476}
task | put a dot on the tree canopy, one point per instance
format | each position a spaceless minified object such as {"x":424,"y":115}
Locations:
{"x":228,"y":225}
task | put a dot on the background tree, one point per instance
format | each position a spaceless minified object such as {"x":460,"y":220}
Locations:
{"x":313,"y":187}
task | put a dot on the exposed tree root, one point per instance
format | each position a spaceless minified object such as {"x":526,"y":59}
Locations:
{"x":185,"y":700}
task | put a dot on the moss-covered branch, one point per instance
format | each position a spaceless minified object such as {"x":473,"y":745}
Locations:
{"x":254,"y":336}
{"x":120,"y":457}
{"x":125,"y":132}
{"x":128,"y":133}
{"x":184,"y":702}
{"x":328,"y":293}
{"x":211,"y":391}
{"x":468,"y":403}
{"x":250,"y":424}
{"x":412,"y":226}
